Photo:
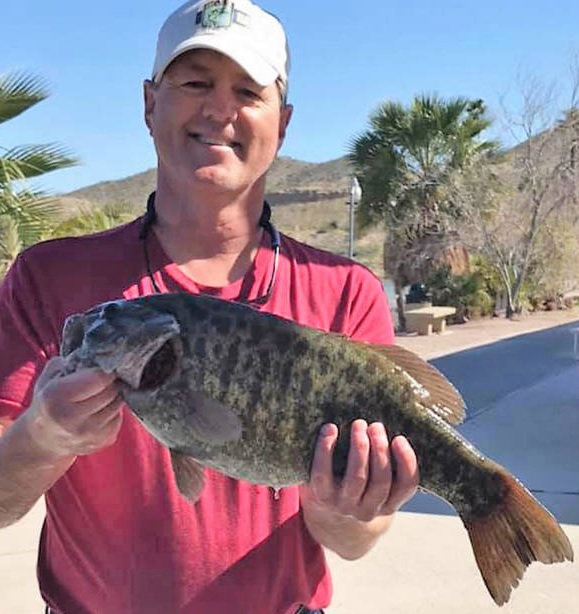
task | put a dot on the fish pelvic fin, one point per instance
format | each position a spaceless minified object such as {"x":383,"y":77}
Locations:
{"x":189,"y":475}
{"x":514,"y":535}
{"x":432,"y":388}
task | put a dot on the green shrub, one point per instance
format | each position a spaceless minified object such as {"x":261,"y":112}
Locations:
{"x":467,"y":293}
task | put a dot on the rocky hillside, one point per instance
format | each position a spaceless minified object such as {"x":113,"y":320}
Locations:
{"x":309,"y":201}
{"x":289,"y":181}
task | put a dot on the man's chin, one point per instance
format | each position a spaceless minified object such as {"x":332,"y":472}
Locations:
{"x":215,"y":178}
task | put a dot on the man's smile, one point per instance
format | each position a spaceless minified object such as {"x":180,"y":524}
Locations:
{"x":214,"y":142}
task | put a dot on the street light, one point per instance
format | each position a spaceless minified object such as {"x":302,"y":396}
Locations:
{"x":355,"y":198}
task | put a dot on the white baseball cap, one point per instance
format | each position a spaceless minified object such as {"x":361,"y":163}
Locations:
{"x":241,"y":30}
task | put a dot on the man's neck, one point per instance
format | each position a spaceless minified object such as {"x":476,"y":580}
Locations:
{"x":212,"y":244}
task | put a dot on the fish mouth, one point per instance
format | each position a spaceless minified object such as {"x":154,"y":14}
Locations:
{"x":160,"y":366}
{"x":149,"y":368}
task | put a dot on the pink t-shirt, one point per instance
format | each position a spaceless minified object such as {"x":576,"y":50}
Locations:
{"x":118,"y":536}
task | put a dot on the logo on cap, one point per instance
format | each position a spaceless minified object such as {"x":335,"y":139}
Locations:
{"x":216,"y":14}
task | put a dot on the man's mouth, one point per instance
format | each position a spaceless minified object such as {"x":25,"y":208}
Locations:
{"x":215,"y":142}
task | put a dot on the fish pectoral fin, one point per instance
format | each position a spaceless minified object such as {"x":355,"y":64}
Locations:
{"x":212,"y":421}
{"x":189,"y":475}
{"x":433,"y":389}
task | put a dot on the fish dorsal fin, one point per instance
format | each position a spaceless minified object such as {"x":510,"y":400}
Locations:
{"x":433,"y":389}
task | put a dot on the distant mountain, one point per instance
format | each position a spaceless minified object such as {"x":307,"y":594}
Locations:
{"x":289,"y":181}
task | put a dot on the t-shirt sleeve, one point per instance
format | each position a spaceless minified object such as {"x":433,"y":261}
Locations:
{"x":24,"y":343}
{"x":367,"y":312}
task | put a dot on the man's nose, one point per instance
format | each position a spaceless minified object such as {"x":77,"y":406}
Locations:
{"x":221,"y":105}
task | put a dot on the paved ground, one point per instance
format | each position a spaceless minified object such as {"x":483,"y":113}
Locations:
{"x":523,"y":397}
{"x":425,"y":566}
{"x":18,"y":547}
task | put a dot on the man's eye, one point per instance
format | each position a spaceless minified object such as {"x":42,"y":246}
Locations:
{"x":195,"y":85}
{"x":247,"y":93}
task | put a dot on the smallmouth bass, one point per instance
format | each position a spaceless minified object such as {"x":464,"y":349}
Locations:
{"x":224,"y":386}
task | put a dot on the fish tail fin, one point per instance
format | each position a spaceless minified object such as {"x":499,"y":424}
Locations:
{"x":514,"y":535}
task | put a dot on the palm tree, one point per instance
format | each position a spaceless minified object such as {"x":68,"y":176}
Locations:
{"x":405,"y":162}
{"x":26,"y":214}
{"x":90,"y":219}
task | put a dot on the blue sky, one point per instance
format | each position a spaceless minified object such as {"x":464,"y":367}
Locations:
{"x":347,"y":57}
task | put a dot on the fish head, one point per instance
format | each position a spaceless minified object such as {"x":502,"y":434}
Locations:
{"x":138,"y":343}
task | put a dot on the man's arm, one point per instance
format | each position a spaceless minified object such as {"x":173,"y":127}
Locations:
{"x":26,"y":473}
{"x":349,"y":517}
{"x":69,"y":415}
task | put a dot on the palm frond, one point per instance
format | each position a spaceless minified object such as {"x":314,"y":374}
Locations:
{"x":34,"y":213}
{"x":10,"y":171}
{"x":27,"y":215}
{"x":92,"y":219}
{"x":10,"y":243}
{"x":19,"y":92}
{"x":26,"y":161}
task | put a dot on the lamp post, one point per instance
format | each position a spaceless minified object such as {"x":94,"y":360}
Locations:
{"x":355,"y":197}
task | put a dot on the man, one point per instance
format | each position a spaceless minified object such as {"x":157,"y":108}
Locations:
{"x":118,"y":536}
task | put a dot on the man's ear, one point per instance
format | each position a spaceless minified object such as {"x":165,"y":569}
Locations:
{"x":149,"y":90}
{"x":284,"y":120}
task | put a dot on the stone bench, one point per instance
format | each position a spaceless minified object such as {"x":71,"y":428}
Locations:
{"x":427,"y":319}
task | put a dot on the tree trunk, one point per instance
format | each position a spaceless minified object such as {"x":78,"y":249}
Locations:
{"x":510,"y":310}
{"x":511,"y":302}
{"x":399,"y":290}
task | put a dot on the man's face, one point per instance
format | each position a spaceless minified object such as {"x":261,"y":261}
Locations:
{"x":213,"y":126}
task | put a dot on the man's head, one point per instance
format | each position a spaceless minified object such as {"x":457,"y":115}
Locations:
{"x":213,"y":104}
{"x":250,"y":36}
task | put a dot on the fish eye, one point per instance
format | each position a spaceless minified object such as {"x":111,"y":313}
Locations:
{"x":110,"y":310}
{"x":99,"y":331}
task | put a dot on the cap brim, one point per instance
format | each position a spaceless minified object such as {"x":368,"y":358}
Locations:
{"x":261,"y":72}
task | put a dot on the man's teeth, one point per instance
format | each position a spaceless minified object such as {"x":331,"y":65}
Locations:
{"x":209,"y":141}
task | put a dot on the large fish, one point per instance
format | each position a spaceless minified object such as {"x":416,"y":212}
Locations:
{"x":225,"y":386}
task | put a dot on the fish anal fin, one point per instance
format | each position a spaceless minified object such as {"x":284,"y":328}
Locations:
{"x":189,"y":475}
{"x":432,"y":388}
{"x":514,"y":535}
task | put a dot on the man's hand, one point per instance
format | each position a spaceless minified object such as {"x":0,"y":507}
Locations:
{"x":348,"y":516}
{"x":70,"y":414}
{"x":73,"y":414}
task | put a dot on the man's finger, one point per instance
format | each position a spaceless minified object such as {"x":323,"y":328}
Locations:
{"x":81,"y":385}
{"x":407,"y":474}
{"x":358,"y":468}
{"x":322,"y":478}
{"x":101,"y":407}
{"x":111,"y":417}
{"x":380,"y":482}
{"x":55,"y":367}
